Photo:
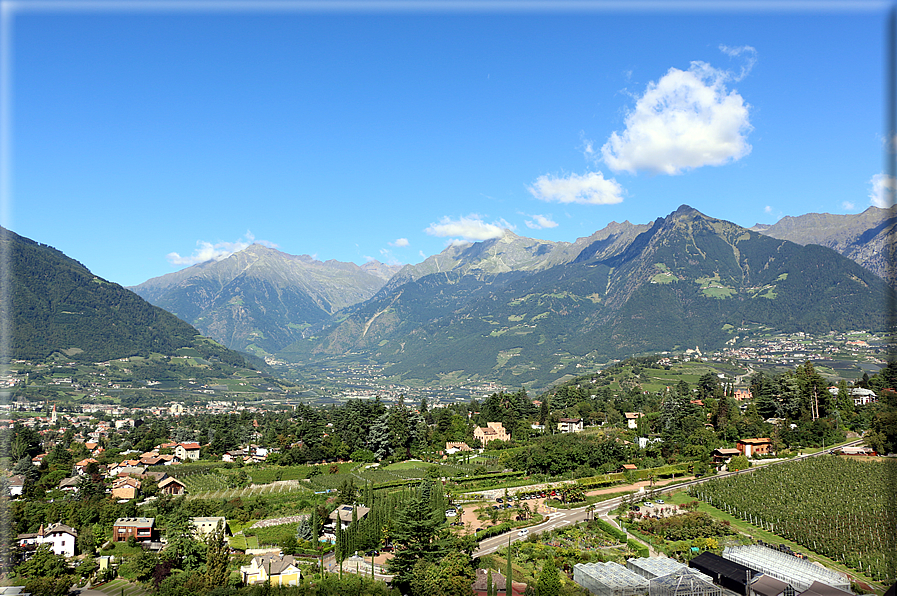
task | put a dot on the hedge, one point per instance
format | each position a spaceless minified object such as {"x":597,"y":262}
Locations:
{"x":495,"y":531}
{"x":638,"y":547}
{"x":492,"y":476}
{"x":611,"y":530}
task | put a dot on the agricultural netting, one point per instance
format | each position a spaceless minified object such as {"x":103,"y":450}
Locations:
{"x":841,"y":508}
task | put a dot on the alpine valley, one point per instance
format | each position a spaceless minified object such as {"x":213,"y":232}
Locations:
{"x":519,"y":310}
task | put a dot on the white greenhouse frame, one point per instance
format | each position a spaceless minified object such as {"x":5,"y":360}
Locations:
{"x":609,"y":579}
{"x":799,"y":573}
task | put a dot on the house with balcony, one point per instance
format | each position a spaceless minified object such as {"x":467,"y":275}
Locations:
{"x":754,"y":447}
{"x":143,"y":529}
{"x":172,"y":486}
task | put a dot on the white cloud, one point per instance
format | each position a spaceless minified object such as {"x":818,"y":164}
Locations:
{"x":848,"y":206}
{"x":587,"y":146}
{"x":399,"y":242}
{"x":469,"y":228}
{"x":882,"y":190}
{"x":540,"y":221}
{"x":588,"y":189}
{"x":767,"y":209}
{"x":750,"y":58}
{"x":686,"y":120}
{"x":206,"y":251}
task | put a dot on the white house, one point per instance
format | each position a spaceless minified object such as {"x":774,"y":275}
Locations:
{"x":632,"y":419}
{"x":60,"y":537}
{"x":203,"y":526}
{"x":16,"y":485}
{"x":862,"y":396}
{"x":570,"y":425}
{"x":186,"y":451}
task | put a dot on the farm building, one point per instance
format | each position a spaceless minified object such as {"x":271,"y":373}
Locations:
{"x":799,"y":573}
{"x":609,"y":579}
{"x":649,"y":568}
{"x":685,"y":582}
{"x":728,"y":574}
{"x":765,"y":585}
{"x":820,"y":589}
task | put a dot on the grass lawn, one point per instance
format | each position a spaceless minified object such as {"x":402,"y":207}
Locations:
{"x":679,"y":497}
{"x":117,"y":587}
{"x":409,"y":465}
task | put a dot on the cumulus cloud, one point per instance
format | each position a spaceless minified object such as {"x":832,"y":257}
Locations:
{"x":686,"y":120}
{"x":882,"y":190}
{"x":540,"y":221}
{"x":467,"y":229}
{"x":768,"y":209}
{"x":206,"y":251}
{"x":588,"y":189}
{"x":848,"y":206}
{"x":399,"y":243}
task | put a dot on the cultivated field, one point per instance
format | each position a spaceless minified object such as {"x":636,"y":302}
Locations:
{"x":835,"y":506}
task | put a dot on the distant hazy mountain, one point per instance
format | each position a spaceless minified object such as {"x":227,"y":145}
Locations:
{"x":261,"y":299}
{"x":524,"y":310}
{"x":58,"y":305}
{"x":867,"y":238}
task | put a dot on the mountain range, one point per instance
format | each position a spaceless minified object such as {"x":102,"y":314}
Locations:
{"x":260,"y":299}
{"x":513,"y":309}
{"x":682,"y":281}
{"x":869,"y":238}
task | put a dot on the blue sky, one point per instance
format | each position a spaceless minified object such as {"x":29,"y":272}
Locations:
{"x":144,"y":141}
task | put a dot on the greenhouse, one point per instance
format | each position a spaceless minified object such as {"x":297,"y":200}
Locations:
{"x":609,"y":579}
{"x":683,"y":583}
{"x":728,"y":574}
{"x":660,"y":566}
{"x":799,"y":573}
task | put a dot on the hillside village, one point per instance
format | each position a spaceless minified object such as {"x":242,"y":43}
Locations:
{"x":156,"y":477}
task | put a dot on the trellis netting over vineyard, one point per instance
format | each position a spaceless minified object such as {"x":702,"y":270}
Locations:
{"x":838,"y":507}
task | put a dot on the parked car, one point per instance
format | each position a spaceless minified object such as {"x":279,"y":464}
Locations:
{"x":659,"y":501}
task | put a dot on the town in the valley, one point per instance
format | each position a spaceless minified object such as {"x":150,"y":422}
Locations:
{"x":758,"y":470}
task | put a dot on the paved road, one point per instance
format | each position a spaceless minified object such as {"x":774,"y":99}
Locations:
{"x":569,"y":516}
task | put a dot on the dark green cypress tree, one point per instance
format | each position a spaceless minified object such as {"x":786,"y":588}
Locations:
{"x":509,"y":570}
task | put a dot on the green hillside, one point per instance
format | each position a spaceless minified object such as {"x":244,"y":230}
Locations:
{"x":59,"y":306}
